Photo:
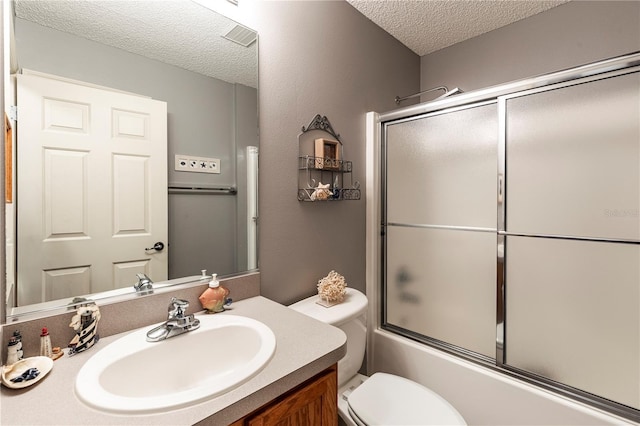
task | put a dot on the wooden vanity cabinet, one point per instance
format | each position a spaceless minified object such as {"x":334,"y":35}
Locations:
{"x":313,"y":403}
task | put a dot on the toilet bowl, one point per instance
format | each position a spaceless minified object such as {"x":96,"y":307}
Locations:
{"x":382,"y":399}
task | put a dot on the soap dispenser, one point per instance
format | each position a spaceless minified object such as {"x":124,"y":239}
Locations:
{"x":215,"y":297}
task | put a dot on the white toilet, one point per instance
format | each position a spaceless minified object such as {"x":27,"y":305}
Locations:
{"x":382,"y":399}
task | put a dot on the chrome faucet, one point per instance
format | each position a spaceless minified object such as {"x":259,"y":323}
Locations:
{"x":177,"y":322}
{"x":144,"y":284}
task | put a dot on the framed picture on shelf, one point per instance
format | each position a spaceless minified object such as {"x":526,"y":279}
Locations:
{"x":327,"y":153}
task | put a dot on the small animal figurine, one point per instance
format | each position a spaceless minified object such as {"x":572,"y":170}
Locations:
{"x":85,"y":323}
{"x":14,"y":350}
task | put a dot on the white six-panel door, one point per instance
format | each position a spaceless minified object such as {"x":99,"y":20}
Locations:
{"x":91,"y":195}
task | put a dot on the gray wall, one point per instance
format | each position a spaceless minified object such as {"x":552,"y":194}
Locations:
{"x":318,"y":57}
{"x":201,"y":110}
{"x":572,"y":34}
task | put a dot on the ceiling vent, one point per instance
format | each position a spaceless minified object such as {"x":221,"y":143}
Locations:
{"x":241,"y":35}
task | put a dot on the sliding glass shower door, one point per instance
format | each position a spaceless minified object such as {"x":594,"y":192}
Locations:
{"x":441,"y":226}
{"x":572,"y":233}
{"x":511,"y":233}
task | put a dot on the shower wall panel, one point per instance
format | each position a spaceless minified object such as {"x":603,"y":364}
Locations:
{"x":573,"y":313}
{"x":441,"y":284}
{"x":442,"y":169}
{"x":573,"y":160}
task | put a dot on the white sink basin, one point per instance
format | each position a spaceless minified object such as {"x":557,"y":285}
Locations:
{"x":133,"y":376}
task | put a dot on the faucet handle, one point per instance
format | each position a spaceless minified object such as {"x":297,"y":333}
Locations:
{"x":144,"y":284}
{"x":177,"y":307}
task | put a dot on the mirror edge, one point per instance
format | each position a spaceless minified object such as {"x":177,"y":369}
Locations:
{"x":107,"y":299}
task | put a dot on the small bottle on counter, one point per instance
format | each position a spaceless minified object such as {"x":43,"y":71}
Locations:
{"x":45,"y":343}
{"x":215,"y":297}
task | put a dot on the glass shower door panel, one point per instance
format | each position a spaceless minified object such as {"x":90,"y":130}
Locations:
{"x":442,"y":169}
{"x":573,"y":160}
{"x":441,"y":284}
{"x":573,"y":314}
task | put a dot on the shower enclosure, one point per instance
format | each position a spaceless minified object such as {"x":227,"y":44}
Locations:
{"x":510,"y":229}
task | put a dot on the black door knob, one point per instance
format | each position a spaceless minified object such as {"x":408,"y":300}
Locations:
{"x":159,"y":246}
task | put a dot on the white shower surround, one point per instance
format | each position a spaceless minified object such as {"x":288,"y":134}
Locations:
{"x":481,"y":395}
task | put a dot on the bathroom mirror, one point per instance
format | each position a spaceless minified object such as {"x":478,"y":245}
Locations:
{"x":204,"y":66}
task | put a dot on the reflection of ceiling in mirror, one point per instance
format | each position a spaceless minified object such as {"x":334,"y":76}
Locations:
{"x":177,"y":32}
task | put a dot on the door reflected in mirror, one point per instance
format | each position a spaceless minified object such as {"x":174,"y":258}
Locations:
{"x":72,"y":205}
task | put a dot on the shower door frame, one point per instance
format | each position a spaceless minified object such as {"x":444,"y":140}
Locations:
{"x":377,"y":218}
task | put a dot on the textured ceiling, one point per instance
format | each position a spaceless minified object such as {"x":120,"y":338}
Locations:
{"x":178,"y":32}
{"x":425,"y":26}
{"x":186,"y":34}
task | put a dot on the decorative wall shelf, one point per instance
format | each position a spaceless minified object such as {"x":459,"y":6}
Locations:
{"x":323,"y":174}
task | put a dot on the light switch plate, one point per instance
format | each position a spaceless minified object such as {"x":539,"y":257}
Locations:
{"x":190,"y":163}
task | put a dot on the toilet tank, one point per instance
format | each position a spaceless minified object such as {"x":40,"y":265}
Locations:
{"x":350,"y":317}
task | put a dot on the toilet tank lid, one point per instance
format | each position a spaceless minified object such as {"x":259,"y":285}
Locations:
{"x":386,"y":399}
{"x":353,"y":305}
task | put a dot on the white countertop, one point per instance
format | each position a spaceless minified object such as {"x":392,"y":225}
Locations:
{"x":304,"y":347}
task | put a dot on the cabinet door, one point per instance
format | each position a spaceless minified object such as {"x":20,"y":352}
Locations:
{"x":313,"y":404}
{"x":573,"y":160}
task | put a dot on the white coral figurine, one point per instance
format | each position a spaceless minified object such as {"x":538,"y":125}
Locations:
{"x":332,"y":288}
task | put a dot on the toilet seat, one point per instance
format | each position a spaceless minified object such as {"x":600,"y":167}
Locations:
{"x":386,"y":399}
